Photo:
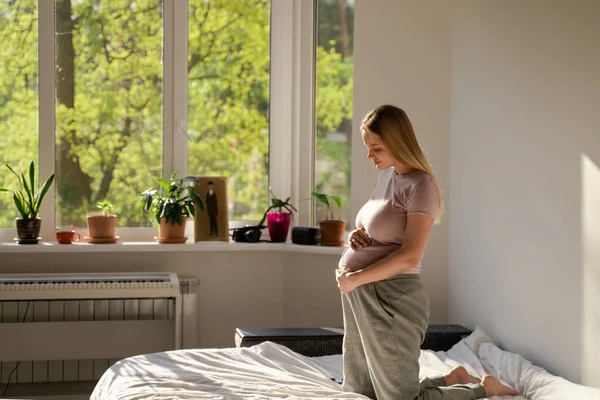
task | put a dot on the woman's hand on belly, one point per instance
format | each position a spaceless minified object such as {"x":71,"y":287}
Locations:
{"x":359,"y":238}
{"x":345,"y":280}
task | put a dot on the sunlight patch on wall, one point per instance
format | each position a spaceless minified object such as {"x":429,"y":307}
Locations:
{"x":590,"y":234}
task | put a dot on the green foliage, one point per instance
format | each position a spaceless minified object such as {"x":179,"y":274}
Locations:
{"x":109,"y":111}
{"x":109,"y":87}
{"x":334,"y":74}
{"x":278,"y":204}
{"x":228,"y":98}
{"x":173,"y":200}
{"x":27,"y":200}
{"x":328,"y":200}
{"x":18,"y":94}
{"x":105,"y":206}
{"x":331,"y":26}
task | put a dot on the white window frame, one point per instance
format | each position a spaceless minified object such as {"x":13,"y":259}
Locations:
{"x":291,"y":125}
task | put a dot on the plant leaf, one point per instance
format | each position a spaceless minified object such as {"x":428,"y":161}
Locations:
{"x":198,"y":201}
{"x":338,"y":200}
{"x":29,"y":200}
{"x":13,"y":171}
{"x":40,"y":195}
{"x":19,"y":204}
{"x":262,"y":220}
{"x":320,"y":197}
{"x":147,"y":197}
{"x":32,"y":176}
{"x":4,"y":190}
{"x":163,"y":183}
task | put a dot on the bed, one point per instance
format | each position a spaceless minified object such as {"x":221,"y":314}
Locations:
{"x":270,"y":370}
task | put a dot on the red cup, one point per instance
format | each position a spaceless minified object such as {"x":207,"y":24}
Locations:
{"x":67,"y":237}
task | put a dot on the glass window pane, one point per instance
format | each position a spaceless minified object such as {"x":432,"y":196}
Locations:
{"x":228,"y":98}
{"x":109,"y":108}
{"x":18,"y":96}
{"x":335,"y":38}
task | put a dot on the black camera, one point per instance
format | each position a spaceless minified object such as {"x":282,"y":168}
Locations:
{"x":247,"y":234}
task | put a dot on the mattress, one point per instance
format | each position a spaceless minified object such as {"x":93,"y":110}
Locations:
{"x":269,"y":370}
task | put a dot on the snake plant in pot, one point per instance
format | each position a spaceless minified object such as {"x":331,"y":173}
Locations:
{"x":278,"y":222}
{"x":332,"y":230}
{"x":28,"y":200}
{"x":170,"y":205}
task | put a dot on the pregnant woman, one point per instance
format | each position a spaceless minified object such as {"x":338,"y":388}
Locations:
{"x":386,"y":307}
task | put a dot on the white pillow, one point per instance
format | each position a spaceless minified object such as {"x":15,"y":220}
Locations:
{"x":534,"y":382}
{"x":465,"y":353}
{"x":476,"y":339}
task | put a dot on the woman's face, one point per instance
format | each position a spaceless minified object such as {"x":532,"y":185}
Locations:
{"x":379,"y":155}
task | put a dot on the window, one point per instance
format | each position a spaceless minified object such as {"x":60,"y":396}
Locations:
{"x":333,"y":109}
{"x":111,"y":94}
{"x":228,"y":99}
{"x":108,"y":106}
{"x":18,"y":95}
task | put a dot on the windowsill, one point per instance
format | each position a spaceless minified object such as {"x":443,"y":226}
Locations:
{"x":53,"y":247}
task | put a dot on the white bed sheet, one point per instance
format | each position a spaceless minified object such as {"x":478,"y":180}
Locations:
{"x":271,"y":371}
{"x":264,"y":371}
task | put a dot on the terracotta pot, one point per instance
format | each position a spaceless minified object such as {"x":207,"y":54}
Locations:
{"x":169,"y":231}
{"x":332,"y":232}
{"x":101,"y":227}
{"x":28,"y":228}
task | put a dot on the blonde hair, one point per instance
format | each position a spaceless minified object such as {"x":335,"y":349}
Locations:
{"x":392,"y":125}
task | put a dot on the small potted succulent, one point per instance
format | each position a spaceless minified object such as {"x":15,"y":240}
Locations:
{"x":332,"y":230}
{"x":278,"y":222}
{"x":102,"y":225}
{"x":28,"y":201}
{"x":170,"y":205}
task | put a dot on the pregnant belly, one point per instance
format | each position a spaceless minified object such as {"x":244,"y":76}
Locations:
{"x":358,"y":259}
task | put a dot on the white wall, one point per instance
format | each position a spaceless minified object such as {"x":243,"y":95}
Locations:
{"x":402,"y":56}
{"x":525,"y":177}
{"x":257,"y":288}
{"x":236,"y":289}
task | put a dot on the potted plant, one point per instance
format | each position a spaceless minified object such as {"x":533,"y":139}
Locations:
{"x":332,"y":230}
{"x":278,"y":222}
{"x":170,"y":205}
{"x":102,"y":225}
{"x":28,"y":202}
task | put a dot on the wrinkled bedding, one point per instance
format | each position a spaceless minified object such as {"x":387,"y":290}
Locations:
{"x":269,"y":370}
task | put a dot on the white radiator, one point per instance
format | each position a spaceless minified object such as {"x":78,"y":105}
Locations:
{"x":72,"y":327}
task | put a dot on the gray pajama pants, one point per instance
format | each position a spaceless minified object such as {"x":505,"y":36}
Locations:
{"x":384,"y":326}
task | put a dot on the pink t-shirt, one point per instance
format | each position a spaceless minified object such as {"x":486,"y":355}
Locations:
{"x":384,"y":216}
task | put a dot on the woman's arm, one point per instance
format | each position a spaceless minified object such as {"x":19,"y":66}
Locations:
{"x":418,"y":227}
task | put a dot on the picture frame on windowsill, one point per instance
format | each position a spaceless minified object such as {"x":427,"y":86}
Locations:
{"x":212,"y":224}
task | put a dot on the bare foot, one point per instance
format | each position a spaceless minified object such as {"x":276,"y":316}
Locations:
{"x":493,"y":387}
{"x":459,"y":375}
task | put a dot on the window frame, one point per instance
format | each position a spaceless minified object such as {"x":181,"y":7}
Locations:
{"x":291,"y":107}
